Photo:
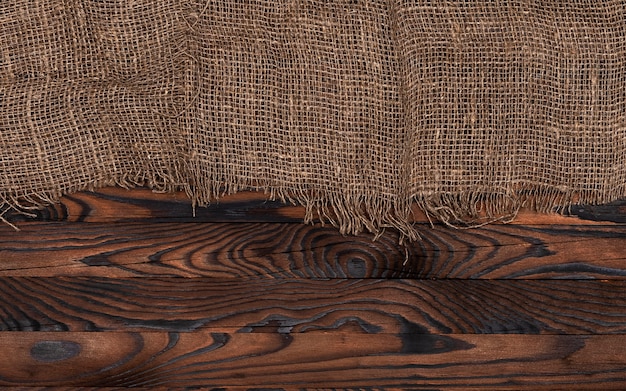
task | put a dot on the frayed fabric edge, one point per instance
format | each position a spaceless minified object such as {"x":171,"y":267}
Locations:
{"x":478,"y":207}
{"x":352,"y":213}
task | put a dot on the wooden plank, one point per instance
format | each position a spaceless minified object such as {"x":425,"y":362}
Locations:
{"x":283,"y":250}
{"x":338,"y":359}
{"x":244,"y":297}
{"x":114,"y":204}
{"x":300,"y":306}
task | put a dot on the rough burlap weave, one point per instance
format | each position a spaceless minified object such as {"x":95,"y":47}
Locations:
{"x":355,"y":109}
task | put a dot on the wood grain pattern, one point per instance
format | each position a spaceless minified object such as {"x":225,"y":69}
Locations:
{"x":119,"y":289}
{"x":303,"y":306}
{"x":283,"y":250}
{"x":114,"y":204}
{"x":356,"y":360}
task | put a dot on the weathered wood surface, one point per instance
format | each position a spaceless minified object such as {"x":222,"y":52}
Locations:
{"x":350,"y":360}
{"x":113,"y":204}
{"x":294,"y":250}
{"x":121,"y":288}
{"x":373,"y":306}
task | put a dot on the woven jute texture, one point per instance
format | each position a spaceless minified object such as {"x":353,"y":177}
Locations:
{"x":358,"y":110}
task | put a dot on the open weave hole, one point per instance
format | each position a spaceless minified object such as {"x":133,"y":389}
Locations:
{"x":355,"y":109}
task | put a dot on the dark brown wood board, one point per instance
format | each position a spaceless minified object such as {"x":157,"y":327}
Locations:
{"x":130,"y":288}
{"x":328,"y":360}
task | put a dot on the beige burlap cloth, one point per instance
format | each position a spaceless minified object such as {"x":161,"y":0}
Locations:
{"x":356,"y":109}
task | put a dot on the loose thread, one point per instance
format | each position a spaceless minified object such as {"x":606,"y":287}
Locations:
{"x":7,"y":222}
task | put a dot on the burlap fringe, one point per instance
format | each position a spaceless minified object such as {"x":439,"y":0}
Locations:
{"x":352,"y":214}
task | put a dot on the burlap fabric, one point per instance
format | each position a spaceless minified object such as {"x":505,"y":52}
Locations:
{"x":355,"y":109}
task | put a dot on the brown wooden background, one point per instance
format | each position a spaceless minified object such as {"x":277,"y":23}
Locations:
{"x":122,"y":288}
